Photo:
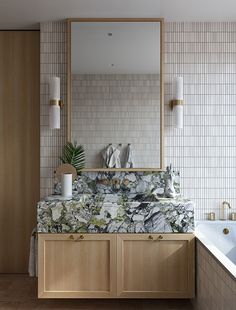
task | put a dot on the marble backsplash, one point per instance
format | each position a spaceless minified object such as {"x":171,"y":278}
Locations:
{"x":117,"y":202}
{"x":147,"y":184}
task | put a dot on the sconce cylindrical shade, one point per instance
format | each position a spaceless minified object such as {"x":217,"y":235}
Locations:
{"x":179,"y":88}
{"x":54,"y":117}
{"x":178,"y":116}
{"x":178,"y":108}
{"x":54,"y":87}
{"x":54,"y":109}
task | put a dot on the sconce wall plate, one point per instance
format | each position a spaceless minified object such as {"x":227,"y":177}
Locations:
{"x":57,"y":102}
{"x":175,"y":102}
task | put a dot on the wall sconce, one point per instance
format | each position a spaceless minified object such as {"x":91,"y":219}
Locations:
{"x":177,"y":103}
{"x":55,"y":103}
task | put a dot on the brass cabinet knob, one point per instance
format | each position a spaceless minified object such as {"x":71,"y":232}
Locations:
{"x":71,"y":237}
{"x":150,"y":237}
{"x":81,"y":237}
{"x":160,"y":237}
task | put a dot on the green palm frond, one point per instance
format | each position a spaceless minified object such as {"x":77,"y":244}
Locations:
{"x":73,"y":154}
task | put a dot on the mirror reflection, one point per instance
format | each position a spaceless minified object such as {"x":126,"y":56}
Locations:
{"x":116,"y":93}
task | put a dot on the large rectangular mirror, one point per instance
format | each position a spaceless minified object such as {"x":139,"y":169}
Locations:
{"x":115,"y":92}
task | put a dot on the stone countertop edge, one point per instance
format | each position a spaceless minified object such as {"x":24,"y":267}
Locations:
{"x":119,"y":215}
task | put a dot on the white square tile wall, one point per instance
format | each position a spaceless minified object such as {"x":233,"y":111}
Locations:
{"x":52,"y":63}
{"x":204,"y":53}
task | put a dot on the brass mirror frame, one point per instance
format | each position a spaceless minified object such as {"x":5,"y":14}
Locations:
{"x":69,"y":88}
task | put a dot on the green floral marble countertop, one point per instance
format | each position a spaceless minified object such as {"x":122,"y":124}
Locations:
{"x":114,"y":213}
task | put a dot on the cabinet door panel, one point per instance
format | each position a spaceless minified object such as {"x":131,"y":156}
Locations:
{"x":152,"y":267}
{"x":77,"y":267}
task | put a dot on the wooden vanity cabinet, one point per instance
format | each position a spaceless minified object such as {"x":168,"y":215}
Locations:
{"x":116,"y":266}
{"x":155,"y":266}
{"x":77,"y":266}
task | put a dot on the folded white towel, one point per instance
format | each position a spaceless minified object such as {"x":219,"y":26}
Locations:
{"x":106,"y":154}
{"x":33,"y":256}
{"x":114,"y":161}
{"x":111,"y":157}
{"x":129,"y":162}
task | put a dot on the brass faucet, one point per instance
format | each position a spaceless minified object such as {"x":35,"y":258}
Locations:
{"x":225,"y":204}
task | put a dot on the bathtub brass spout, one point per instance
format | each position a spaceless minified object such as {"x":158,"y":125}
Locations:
{"x":225,"y":204}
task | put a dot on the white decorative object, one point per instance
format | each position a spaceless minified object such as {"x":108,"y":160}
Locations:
{"x":55,"y":104}
{"x":66,"y":185}
{"x":169,"y":178}
{"x":177,"y":103}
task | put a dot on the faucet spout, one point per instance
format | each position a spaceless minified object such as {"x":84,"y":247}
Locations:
{"x":225,"y":204}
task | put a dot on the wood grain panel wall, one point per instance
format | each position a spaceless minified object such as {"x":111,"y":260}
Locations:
{"x":19,"y":146}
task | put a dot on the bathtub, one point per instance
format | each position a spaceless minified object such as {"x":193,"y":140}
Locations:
{"x":222,"y":246}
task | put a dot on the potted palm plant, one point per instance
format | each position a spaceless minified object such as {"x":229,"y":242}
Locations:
{"x":74,"y":155}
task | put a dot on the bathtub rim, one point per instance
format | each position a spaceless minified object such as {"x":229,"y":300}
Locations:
{"x":225,"y":262}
